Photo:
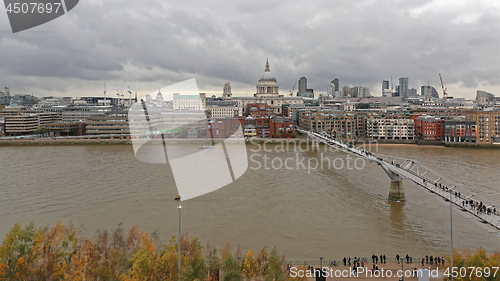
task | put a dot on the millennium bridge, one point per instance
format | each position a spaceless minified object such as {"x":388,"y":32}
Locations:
{"x":473,"y":206}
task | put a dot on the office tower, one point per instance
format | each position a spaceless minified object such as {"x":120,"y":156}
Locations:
{"x":403,"y":87}
{"x":336,"y":83}
{"x":385,"y":85}
{"x":302,"y":84}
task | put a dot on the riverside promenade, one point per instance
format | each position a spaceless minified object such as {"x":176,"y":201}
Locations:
{"x":393,"y":268}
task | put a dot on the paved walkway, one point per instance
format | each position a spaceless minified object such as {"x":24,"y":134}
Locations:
{"x":392,"y":267}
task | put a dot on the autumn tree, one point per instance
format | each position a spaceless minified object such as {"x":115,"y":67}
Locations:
{"x":249,"y":265}
{"x":16,"y":245}
{"x":60,"y":253}
{"x":213,"y":264}
{"x":478,"y":259}
{"x":274,"y":267}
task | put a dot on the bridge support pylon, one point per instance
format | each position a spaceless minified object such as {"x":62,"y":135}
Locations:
{"x":315,"y":146}
{"x":396,"y":191}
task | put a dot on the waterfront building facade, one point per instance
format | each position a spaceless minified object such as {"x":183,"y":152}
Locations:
{"x":27,"y":123}
{"x":393,"y":127}
{"x":460,"y":131}
{"x":429,"y":128}
{"x":115,"y":122}
{"x":338,"y":124}
{"x":487,"y":124}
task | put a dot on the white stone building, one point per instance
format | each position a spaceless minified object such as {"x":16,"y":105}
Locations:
{"x":390,"y":128}
{"x":189,"y":102}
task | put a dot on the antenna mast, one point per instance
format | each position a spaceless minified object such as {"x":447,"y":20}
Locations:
{"x":105,"y":74}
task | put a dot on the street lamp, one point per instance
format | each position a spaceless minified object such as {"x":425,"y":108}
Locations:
{"x":451,"y":232}
{"x":320,"y":267}
{"x":179,"y":271}
{"x":403,"y":276}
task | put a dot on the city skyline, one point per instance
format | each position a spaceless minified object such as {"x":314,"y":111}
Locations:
{"x":162,"y":44}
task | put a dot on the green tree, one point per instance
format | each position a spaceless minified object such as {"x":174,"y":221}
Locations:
{"x":213,"y":264}
{"x":274,"y":267}
{"x":194,"y":267}
{"x":40,"y":131}
{"x":294,"y":134}
{"x":16,"y":246}
{"x":231,"y":269}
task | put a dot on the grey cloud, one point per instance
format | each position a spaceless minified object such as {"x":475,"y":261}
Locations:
{"x":361,"y":43}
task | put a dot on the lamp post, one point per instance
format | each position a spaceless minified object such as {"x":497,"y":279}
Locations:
{"x":321,"y":266}
{"x":451,"y":233}
{"x":403,"y":275}
{"x":179,"y":271}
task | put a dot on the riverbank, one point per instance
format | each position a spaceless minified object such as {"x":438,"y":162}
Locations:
{"x":301,"y":140}
{"x":49,"y":142}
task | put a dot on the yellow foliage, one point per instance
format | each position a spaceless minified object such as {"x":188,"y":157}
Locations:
{"x":249,"y":265}
{"x":226,"y":251}
{"x":3,"y":271}
{"x":147,"y":243}
{"x":57,"y":253}
{"x":479,"y":258}
{"x":23,"y":269}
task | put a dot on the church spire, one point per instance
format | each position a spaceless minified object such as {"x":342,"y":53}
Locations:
{"x":267,"y":65}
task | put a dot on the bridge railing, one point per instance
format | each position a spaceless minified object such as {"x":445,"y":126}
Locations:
{"x":409,"y":165}
{"x":422,"y":176}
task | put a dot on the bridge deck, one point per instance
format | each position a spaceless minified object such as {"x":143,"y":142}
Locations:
{"x":409,"y":170}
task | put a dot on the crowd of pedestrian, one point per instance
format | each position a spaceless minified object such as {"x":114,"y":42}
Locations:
{"x":381,"y":258}
{"x":438,"y":261}
{"x":479,"y":207}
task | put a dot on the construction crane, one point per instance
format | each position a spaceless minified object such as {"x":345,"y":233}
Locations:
{"x":442,"y":86}
{"x":130,"y":91}
{"x":119,"y":93}
{"x":291,"y":91}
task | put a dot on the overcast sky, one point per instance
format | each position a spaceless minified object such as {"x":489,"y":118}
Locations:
{"x":165,"y":42}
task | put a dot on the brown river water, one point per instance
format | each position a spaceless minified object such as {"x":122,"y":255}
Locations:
{"x":329,"y":212}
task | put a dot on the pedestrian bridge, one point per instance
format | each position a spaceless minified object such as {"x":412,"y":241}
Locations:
{"x":478,"y":209}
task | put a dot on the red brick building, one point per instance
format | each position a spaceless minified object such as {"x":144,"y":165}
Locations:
{"x":225,"y":127}
{"x":429,"y":128}
{"x":261,"y":127}
{"x":281,"y":127}
{"x":256,"y":110}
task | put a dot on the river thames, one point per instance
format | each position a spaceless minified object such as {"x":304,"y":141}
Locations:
{"x":306,"y":213}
